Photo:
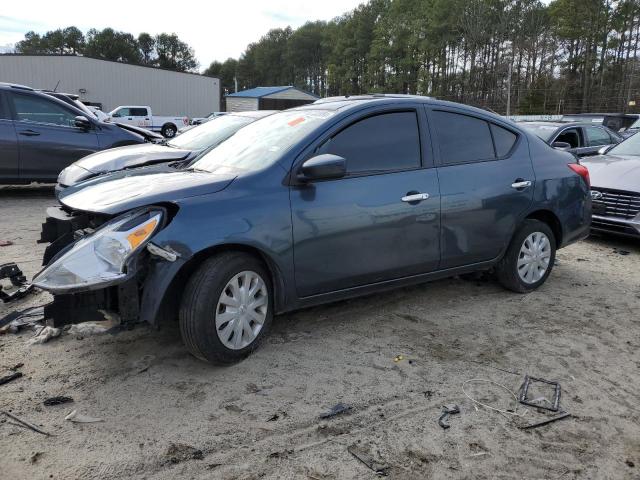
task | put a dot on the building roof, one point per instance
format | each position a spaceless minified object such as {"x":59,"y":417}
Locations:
{"x":260,"y":92}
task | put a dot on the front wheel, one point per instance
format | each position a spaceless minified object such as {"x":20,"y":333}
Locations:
{"x":226,"y":308}
{"x":529,"y":258}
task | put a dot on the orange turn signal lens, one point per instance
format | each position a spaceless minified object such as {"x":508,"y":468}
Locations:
{"x":141,"y":233}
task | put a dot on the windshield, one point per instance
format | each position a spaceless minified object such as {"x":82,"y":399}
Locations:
{"x":211,"y":133}
{"x":636,"y":124}
{"x":545,"y":132}
{"x":263,"y":142}
{"x":631,"y":146}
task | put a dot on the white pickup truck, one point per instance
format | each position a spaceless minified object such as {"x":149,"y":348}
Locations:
{"x":143,"y":117}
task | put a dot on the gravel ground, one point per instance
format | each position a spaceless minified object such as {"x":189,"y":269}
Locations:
{"x":167,"y":415}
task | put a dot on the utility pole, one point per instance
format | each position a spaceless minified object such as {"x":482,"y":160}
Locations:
{"x":235,"y":81}
{"x":509,"y":91}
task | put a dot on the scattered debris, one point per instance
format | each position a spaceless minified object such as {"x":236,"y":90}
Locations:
{"x":179,"y":452}
{"x":90,"y":328}
{"x":24,"y":423}
{"x":630,"y":463}
{"x":80,"y":418}
{"x":621,"y":252}
{"x":398,"y":358}
{"x":44,"y":335}
{"x":35,"y":456}
{"x":17,"y":279}
{"x":428,"y":393}
{"x":18,"y":319}
{"x":17,"y":366}
{"x":479,"y":454}
{"x":336,"y":410}
{"x":513,"y":411}
{"x":57,"y":401}
{"x":10,"y":377}
{"x":277,"y":415}
{"x":283,"y":454}
{"x":537,"y":402}
{"x":5,"y":243}
{"x":144,"y":363}
{"x":446,"y":411}
{"x":546,"y":421}
{"x":367,"y":459}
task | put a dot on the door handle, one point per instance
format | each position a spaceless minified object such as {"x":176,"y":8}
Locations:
{"x":415,"y":197}
{"x":29,"y":133}
{"x":521,"y":184}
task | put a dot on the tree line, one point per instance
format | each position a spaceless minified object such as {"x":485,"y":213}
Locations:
{"x":566,"y":56}
{"x":164,"y":50}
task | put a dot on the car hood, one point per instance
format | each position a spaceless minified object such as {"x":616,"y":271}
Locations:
{"x":148,"y":134}
{"x":619,"y":172}
{"x":130,"y":156}
{"x":119,"y":192}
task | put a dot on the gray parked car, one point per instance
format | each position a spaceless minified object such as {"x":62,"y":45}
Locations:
{"x":343,"y":197}
{"x":615,"y":179}
{"x":182,"y":148}
{"x":40,"y":135}
{"x":578,"y":138}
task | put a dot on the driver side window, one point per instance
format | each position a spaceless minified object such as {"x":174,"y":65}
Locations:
{"x":31,"y":108}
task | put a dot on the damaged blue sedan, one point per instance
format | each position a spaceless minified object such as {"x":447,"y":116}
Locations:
{"x":343,"y":197}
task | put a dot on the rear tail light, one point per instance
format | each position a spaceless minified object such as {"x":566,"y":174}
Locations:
{"x":582,"y":171}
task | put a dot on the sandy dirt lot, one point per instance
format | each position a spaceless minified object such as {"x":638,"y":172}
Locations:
{"x":167,"y":415}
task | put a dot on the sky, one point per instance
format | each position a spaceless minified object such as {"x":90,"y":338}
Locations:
{"x":215,"y":29}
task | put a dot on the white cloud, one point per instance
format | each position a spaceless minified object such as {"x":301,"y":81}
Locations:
{"x":215,"y":29}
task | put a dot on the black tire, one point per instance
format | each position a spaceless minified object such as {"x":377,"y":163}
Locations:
{"x":169,"y":130}
{"x":507,"y":267}
{"x":199,"y":306}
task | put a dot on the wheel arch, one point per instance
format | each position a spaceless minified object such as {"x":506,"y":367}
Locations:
{"x":171,"y":303}
{"x":551,"y":219}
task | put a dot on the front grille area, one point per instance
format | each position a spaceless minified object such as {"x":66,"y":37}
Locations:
{"x":616,"y":203}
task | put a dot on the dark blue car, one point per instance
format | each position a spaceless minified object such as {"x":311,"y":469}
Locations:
{"x":340,"y":198}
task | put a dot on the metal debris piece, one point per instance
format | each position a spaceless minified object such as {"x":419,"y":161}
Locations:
{"x":24,"y":423}
{"x":545,"y":422}
{"x":20,"y":318}
{"x":524,"y":390}
{"x":5,"y":243}
{"x":446,"y":411}
{"x":10,"y":377}
{"x":167,"y":252}
{"x":336,"y":410}
{"x":367,"y":459}
{"x":76,"y":417}
{"x":57,"y":400}
{"x":179,"y":452}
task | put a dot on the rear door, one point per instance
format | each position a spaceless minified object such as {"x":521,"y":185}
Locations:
{"x":9,"y":160}
{"x":486,"y":183}
{"x":362,"y":228}
{"x":48,"y":140}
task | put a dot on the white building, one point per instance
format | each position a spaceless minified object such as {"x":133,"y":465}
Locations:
{"x":114,"y":83}
{"x":268,"y":98}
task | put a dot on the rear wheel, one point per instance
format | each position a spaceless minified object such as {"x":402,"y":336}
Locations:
{"x":169,"y":130}
{"x":529,"y":258}
{"x":226,"y":308}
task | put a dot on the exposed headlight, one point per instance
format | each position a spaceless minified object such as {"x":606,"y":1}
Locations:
{"x":100,"y":259}
{"x":72,"y":175}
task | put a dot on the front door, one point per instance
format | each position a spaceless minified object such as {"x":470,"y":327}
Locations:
{"x":48,"y":140}
{"x":486,"y":183}
{"x":9,"y":165}
{"x":367,"y":227}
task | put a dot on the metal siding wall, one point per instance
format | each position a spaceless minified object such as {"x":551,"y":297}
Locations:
{"x":292,"y":94}
{"x":241,"y":104}
{"x":114,"y":84}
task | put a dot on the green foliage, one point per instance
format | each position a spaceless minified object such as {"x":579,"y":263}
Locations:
{"x":163,"y":50}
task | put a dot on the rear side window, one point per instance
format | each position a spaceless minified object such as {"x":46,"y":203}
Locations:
{"x":4,"y":108}
{"x":138,"y":112}
{"x":385,"y":142}
{"x":462,"y":138}
{"x":503,"y":139}
{"x":597,"y":136}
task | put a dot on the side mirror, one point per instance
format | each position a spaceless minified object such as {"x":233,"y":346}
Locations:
{"x":82,"y":122}
{"x":561,"y":145}
{"x":323,"y":167}
{"x":604,"y":149}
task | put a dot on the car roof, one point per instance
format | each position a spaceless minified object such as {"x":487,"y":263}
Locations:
{"x":5,"y":85}
{"x":542,"y":123}
{"x":251,"y":113}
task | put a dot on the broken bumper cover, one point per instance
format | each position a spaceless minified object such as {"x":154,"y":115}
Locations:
{"x":93,"y":272}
